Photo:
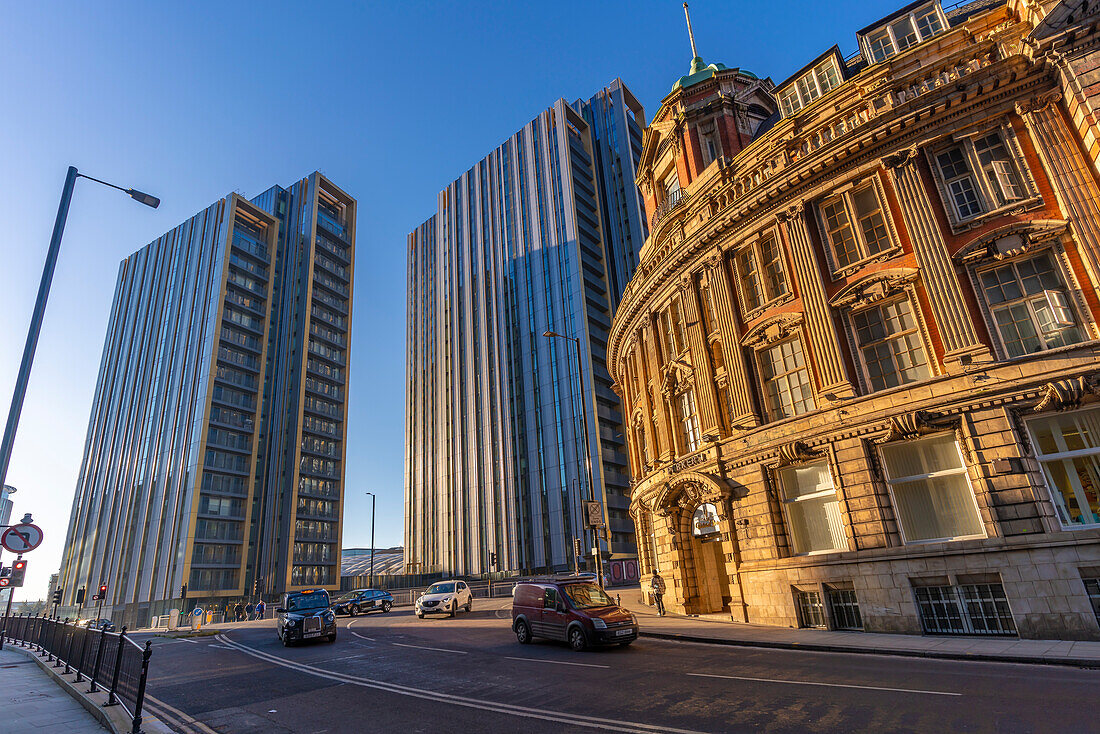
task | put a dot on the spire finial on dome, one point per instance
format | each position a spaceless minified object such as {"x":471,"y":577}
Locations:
{"x":694,"y":54}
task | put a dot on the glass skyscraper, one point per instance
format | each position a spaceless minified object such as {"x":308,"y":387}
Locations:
{"x":214,"y":461}
{"x":542,"y":234}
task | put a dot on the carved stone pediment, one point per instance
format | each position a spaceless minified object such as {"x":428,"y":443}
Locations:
{"x":1010,"y":241}
{"x":874,"y":288}
{"x":679,"y":376}
{"x":772,"y":330}
{"x":1069,"y":393}
{"x":797,"y":452}
{"x":916,"y":424}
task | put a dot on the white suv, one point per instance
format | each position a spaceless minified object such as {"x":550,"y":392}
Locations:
{"x":445,"y":597}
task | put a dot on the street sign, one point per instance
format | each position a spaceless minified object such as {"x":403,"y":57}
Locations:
{"x":595,"y":514}
{"x":21,"y":538}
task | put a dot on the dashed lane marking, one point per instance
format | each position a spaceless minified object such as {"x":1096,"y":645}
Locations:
{"x":437,"y":649}
{"x":830,"y":685}
{"x":557,"y":662}
{"x":580,"y":720}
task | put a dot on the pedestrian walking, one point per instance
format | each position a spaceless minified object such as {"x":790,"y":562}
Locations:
{"x":657,"y":588}
{"x":238,"y":612}
{"x":260,"y":609}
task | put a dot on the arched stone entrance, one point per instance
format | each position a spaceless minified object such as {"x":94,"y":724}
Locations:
{"x":697,"y":551}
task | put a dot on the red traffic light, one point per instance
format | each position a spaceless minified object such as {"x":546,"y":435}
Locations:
{"x":103,"y":589}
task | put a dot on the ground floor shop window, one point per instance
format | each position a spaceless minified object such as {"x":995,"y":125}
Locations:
{"x":965,"y":609}
{"x":811,"y":612}
{"x":844,"y":608}
{"x":930,"y":489}
{"x":1068,"y":447}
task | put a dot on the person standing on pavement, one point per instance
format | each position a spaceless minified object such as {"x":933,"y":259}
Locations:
{"x":249,"y":611}
{"x":260,"y":609}
{"x":657,"y":588}
{"x":238,"y":612}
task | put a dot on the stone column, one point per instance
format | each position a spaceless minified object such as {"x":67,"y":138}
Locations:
{"x":937,"y":271}
{"x":706,"y":394}
{"x":655,"y":383}
{"x":737,"y":374}
{"x":818,"y":318}
{"x":1073,"y":183}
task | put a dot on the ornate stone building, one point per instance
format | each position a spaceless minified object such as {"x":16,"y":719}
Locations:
{"x":859,"y":356}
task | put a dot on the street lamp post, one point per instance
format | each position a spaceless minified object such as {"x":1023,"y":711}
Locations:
{"x":372,"y":499}
{"x":40,"y":306}
{"x":587,"y":447}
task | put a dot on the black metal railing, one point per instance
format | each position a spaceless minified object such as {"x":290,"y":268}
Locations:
{"x":108,"y":661}
{"x":671,"y":203}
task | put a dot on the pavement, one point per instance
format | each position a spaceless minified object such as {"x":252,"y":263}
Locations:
{"x":714,"y":629}
{"x":32,"y":701}
{"x":394,"y":672}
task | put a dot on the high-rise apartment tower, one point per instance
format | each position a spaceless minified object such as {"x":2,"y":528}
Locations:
{"x":541,"y":235}
{"x":214,"y":462}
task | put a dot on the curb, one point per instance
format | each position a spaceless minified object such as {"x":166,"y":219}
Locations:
{"x":1087,"y":663}
{"x":112,"y":718}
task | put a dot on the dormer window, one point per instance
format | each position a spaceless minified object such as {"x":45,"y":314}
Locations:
{"x":804,"y":89}
{"x":903,"y":32}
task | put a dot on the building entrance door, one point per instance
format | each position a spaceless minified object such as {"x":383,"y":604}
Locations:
{"x":711,"y":579}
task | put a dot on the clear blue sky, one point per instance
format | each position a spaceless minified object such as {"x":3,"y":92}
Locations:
{"x":192,"y":100}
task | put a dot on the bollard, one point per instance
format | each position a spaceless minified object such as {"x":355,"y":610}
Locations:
{"x":145,"y":655}
{"x":112,"y":698}
{"x":98,"y":659}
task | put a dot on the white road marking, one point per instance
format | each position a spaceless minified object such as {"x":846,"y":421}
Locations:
{"x":184,"y":639}
{"x":361,"y":637}
{"x":830,"y":685}
{"x":437,"y":649}
{"x":557,"y":662}
{"x":185,"y":719}
{"x":220,"y":647}
{"x":581,"y":720}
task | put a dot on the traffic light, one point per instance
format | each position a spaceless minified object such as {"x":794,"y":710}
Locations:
{"x":18,"y":572}
{"x":493,"y":560}
{"x":577,"y":550}
{"x":57,"y":595}
{"x":183,"y":591}
{"x":5,"y":577}
{"x":80,"y":594}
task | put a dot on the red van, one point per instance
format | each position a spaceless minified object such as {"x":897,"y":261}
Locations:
{"x":572,"y":609}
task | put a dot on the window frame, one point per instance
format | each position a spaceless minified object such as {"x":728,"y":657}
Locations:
{"x":1069,"y":290}
{"x":873,"y":36}
{"x":786,"y":502}
{"x":966,"y":143}
{"x":919,"y":327}
{"x":752,"y":248}
{"x":1062,"y":456}
{"x":759,"y":357}
{"x":963,"y":469}
{"x":793,"y":98}
{"x":845,"y":195}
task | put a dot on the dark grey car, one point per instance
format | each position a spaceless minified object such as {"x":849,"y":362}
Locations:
{"x":305,"y":615}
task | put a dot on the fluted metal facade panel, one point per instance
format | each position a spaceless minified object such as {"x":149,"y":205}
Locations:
{"x":541,"y":234}
{"x":190,"y":480}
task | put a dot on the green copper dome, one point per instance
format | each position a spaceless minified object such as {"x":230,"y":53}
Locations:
{"x":701,"y":71}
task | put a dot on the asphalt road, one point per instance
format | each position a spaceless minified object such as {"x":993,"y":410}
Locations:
{"x":397,"y":673}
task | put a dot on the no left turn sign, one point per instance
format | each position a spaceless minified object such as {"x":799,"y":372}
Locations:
{"x":21,"y":538}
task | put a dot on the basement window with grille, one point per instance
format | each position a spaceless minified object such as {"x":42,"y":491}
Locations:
{"x":844,"y":608}
{"x":964,"y":609}
{"x":811,"y":610}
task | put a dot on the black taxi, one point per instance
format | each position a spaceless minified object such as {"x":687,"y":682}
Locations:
{"x":305,"y":615}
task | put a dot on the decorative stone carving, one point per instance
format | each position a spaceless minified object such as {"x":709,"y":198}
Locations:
{"x":797,"y":452}
{"x":678,"y":378}
{"x":1039,"y":102}
{"x":874,"y":288}
{"x":901,"y":158}
{"x":916,"y":424}
{"x":772,"y":330}
{"x":1069,"y":393}
{"x":1011,"y":240}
